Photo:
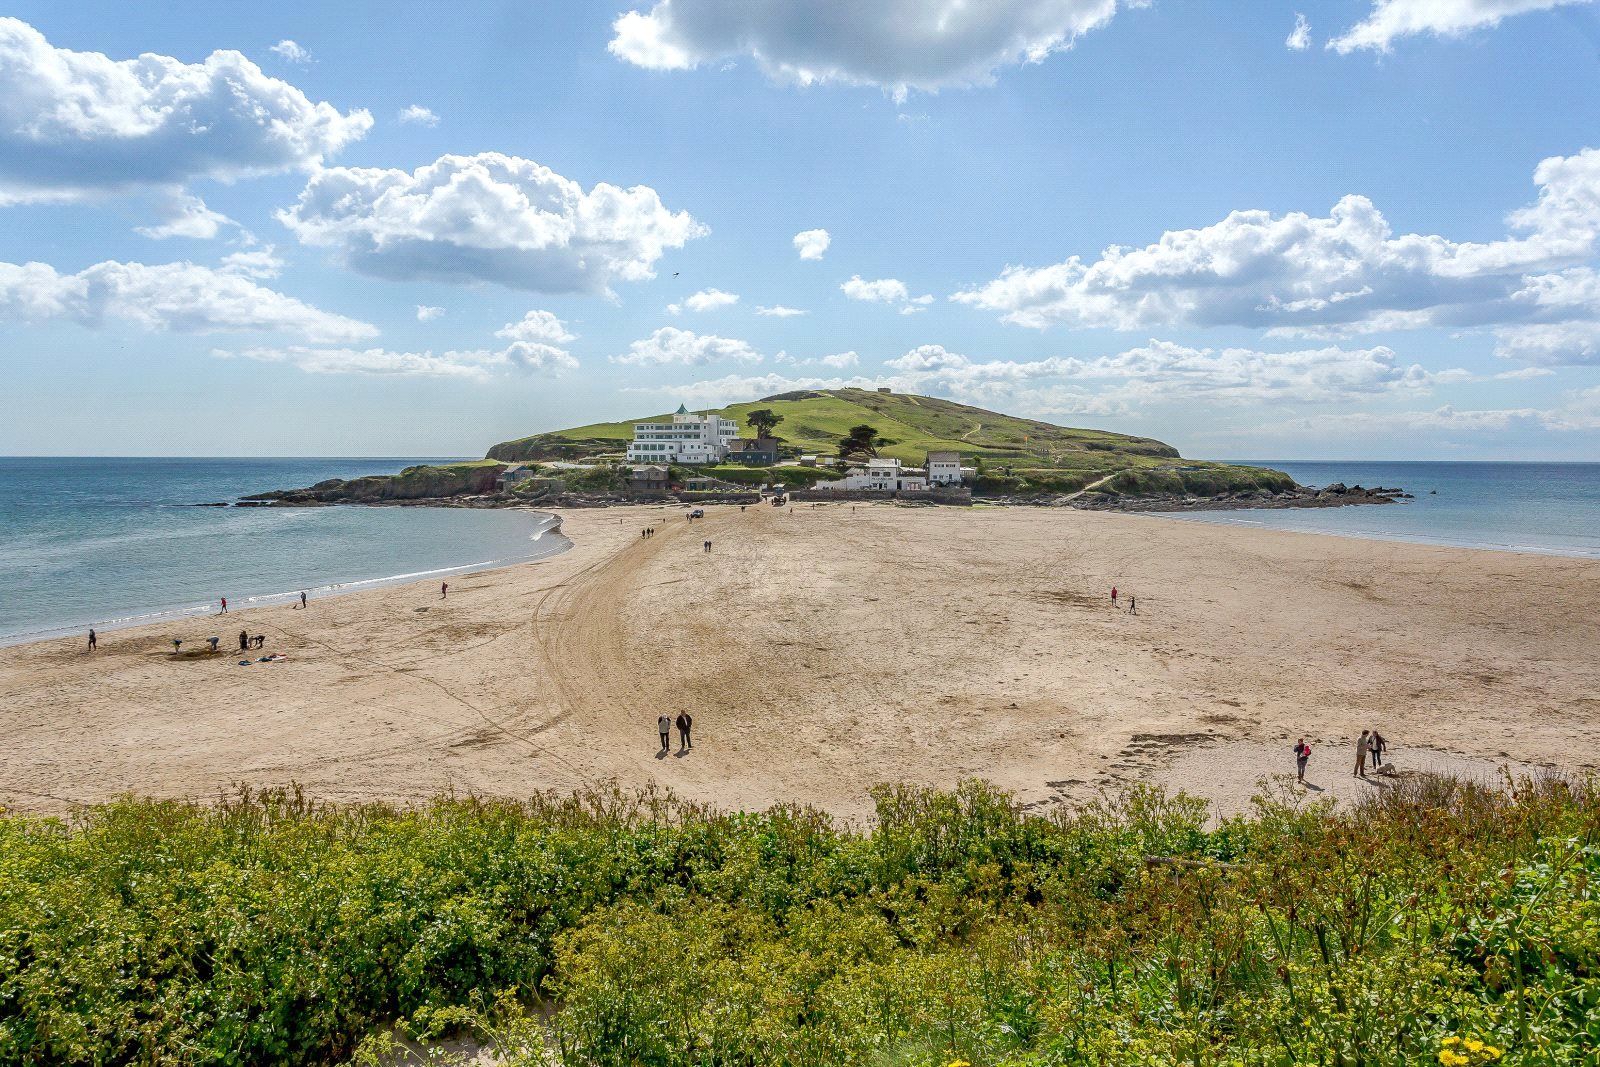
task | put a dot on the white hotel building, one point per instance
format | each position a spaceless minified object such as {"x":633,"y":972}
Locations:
{"x":686,"y":439}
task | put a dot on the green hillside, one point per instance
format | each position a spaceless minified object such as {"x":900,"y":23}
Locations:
{"x":1017,"y":455}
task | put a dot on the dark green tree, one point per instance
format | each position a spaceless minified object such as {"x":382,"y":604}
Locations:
{"x":763,"y":421}
{"x":862,"y":440}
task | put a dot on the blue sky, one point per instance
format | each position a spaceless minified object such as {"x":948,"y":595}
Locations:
{"x":1381,"y":244}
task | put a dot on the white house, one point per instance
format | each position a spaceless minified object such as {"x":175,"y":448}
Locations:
{"x":944,"y":468}
{"x":881,"y":475}
{"x":686,"y":439}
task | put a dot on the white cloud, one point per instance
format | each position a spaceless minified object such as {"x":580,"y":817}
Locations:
{"x":256,"y":263}
{"x":417,"y":115}
{"x":705,"y":300}
{"x":1391,"y":19}
{"x":1165,"y":372}
{"x":1344,"y":273}
{"x":488,"y":217}
{"x":1299,"y":37}
{"x":841,"y":360}
{"x":735,"y":388}
{"x":811,"y":244}
{"x":670,"y":345}
{"x":169,"y":296}
{"x":898,"y":45}
{"x":885,"y":291}
{"x":539,"y":326}
{"x":428,"y":312}
{"x":473,"y":365}
{"x":778,"y":311}
{"x":76,"y":124}
{"x":187,"y":216}
{"x":290,"y":52}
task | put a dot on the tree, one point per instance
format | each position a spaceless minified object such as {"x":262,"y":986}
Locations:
{"x":763,"y":421}
{"x":861,"y":440}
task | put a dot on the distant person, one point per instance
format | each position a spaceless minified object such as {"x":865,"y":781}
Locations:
{"x":664,"y":725}
{"x":685,"y":724}
{"x":224,"y":610}
{"x":1377,"y":745}
{"x":212,"y":641}
{"x":260,"y":640}
{"x":708,"y":546}
{"x":1302,"y":753}
{"x":444,"y":590}
{"x":244,"y":641}
{"x":1113,"y":596}
{"x":302,"y":599}
{"x":1363,"y":743}
{"x":92,"y":641}
{"x":1133,"y":605}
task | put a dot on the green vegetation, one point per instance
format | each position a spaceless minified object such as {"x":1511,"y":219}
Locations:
{"x":1439,"y":923}
{"x":1020,"y":455}
{"x":863,"y":440}
{"x":764,"y":421}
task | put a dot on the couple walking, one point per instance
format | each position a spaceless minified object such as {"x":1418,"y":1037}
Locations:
{"x":685,"y":723}
{"x":1372,"y":743}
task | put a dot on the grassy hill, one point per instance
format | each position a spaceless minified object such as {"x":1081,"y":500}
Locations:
{"x":1018,"y":455}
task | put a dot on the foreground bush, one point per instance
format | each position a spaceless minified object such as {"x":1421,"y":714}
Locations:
{"x":1441,"y":923}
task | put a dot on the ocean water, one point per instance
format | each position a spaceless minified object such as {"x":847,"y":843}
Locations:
{"x":109,"y":542}
{"x":1522,"y":507}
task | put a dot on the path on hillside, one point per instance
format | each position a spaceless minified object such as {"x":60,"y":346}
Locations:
{"x":1091,"y":486}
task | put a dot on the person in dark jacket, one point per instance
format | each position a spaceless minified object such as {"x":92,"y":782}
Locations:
{"x":1302,"y":753}
{"x":685,"y":723}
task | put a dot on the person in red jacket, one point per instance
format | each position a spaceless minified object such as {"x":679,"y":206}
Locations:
{"x":1302,"y":752}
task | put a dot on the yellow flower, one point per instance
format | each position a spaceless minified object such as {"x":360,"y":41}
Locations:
{"x":1492,"y":1052}
{"x":958,"y":1063}
{"x":1473,"y":1044}
{"x":1447,"y":1042}
{"x":1452,"y":1059}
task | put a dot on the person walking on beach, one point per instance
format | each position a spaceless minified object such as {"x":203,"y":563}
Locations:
{"x":224,"y":610}
{"x":244,"y":641}
{"x":708,"y":546}
{"x":1363,"y":743}
{"x":302,"y":599}
{"x":664,"y":725}
{"x":1133,"y":605}
{"x":1113,"y":596}
{"x":444,"y":590}
{"x":92,"y":641}
{"x":685,"y":723}
{"x":1302,"y":752}
{"x":1377,"y":745}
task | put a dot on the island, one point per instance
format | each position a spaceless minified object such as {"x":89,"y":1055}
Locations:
{"x":834,"y":444}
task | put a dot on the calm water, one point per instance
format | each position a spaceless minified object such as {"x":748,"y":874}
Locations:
{"x":1524,"y":507}
{"x":108,"y":541}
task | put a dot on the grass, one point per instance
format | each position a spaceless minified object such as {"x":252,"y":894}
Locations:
{"x":1438,"y":920}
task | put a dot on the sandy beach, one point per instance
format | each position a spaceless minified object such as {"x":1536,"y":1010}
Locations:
{"x":825,"y":650}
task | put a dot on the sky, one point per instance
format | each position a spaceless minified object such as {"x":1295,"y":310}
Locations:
{"x":1343,"y":229}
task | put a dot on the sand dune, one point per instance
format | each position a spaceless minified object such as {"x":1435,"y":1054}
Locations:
{"x":830,"y":648}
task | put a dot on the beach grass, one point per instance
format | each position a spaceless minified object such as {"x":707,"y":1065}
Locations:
{"x":1437,"y":920}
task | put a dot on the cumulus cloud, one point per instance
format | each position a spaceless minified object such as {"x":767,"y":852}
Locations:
{"x":76,"y":124}
{"x":187,"y":216}
{"x":166,"y":297}
{"x":669,"y":345}
{"x":778,"y":311}
{"x":885,"y":291}
{"x":254,"y":263}
{"x":835,"y":361}
{"x":736,"y":387}
{"x":705,"y":300}
{"x":539,"y":326}
{"x":428,"y":312}
{"x":1324,"y":276}
{"x":897,"y":45}
{"x":290,"y":52}
{"x":474,"y":365}
{"x":1391,"y":19}
{"x":811,"y":244}
{"x":417,"y":115}
{"x":1300,"y":37}
{"x":488,"y":218}
{"x":1166,"y":372}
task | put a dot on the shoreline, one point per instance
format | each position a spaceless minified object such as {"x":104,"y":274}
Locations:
{"x":1206,"y":517}
{"x":550,"y":524}
{"x":829,"y":649}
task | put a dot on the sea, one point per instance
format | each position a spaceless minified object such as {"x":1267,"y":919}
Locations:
{"x":117,"y":542}
{"x":1551,"y":508}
